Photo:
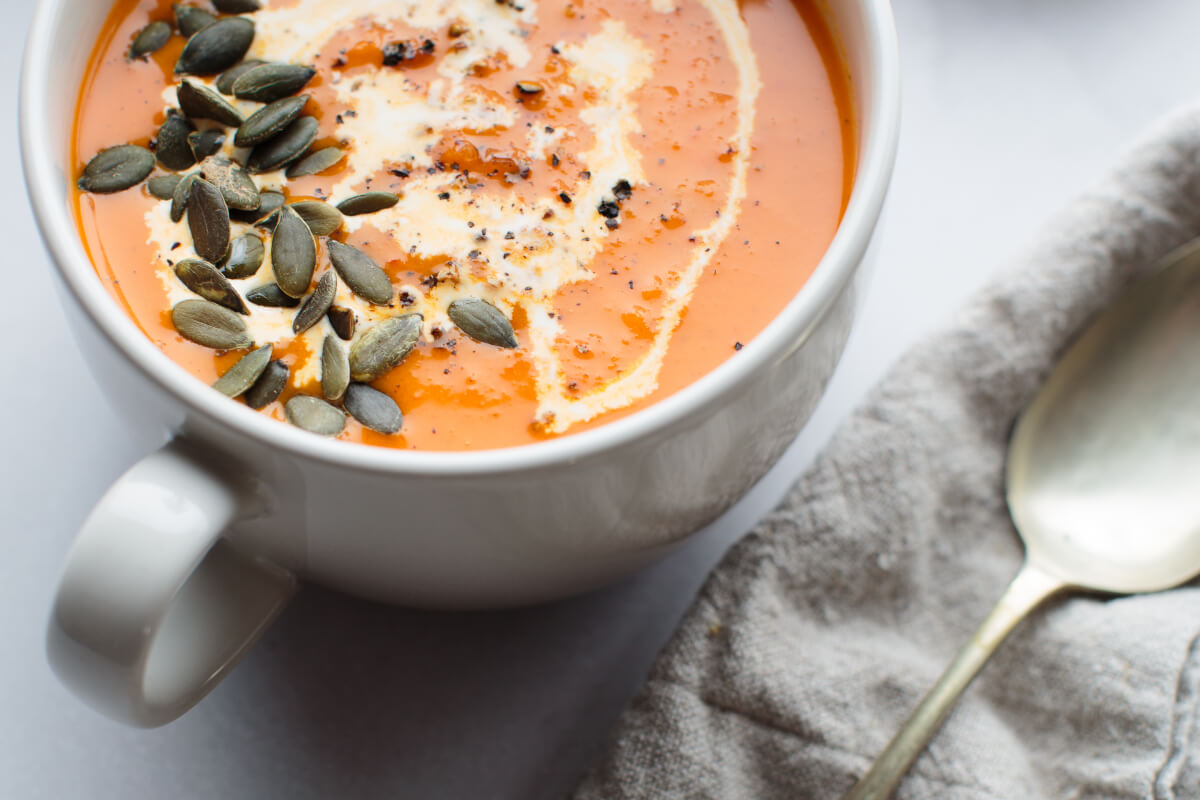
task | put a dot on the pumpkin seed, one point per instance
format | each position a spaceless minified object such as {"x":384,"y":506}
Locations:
{"x":314,"y":415}
{"x":245,"y":373}
{"x":150,"y":39}
{"x":367,"y":203}
{"x":271,"y":296}
{"x":315,"y":162}
{"x":206,"y":143}
{"x":191,"y":20}
{"x":267,"y":83}
{"x":320,"y":217}
{"x":373,"y":409}
{"x":293,"y":253}
{"x":316,"y":304}
{"x":216,"y":47}
{"x":383,"y":346}
{"x":342,"y":319}
{"x":245,"y":257}
{"x":269,"y":203}
{"x":360,"y":272}
{"x":208,"y":220}
{"x":115,"y":169}
{"x":207,"y":281}
{"x":201,"y":102}
{"x":268,"y":386}
{"x":285,"y":148}
{"x":179,"y":199}
{"x":225,"y":80}
{"x":234,"y":183}
{"x":163,"y":186}
{"x":269,"y":121}
{"x":482,"y":321}
{"x":335,"y":369}
{"x":173,"y":150}
{"x":211,"y":325}
{"x":236,"y":6}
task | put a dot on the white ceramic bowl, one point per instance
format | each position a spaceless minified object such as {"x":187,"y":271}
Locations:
{"x":193,"y":552}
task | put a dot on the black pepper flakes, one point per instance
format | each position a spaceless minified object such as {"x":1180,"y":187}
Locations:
{"x":622,"y":190}
{"x":566,"y":198}
{"x":608,"y":209}
{"x":443,"y":195}
{"x":738,"y":345}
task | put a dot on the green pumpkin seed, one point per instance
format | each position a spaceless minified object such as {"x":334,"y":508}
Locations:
{"x":206,"y":143}
{"x":335,"y":369}
{"x":343,"y":321}
{"x":268,"y":386}
{"x":293,"y":253}
{"x":360,"y":272}
{"x":245,"y":373}
{"x":163,"y":186}
{"x":483,"y":322}
{"x":367,"y":203}
{"x":210,"y":324}
{"x":115,"y":169}
{"x":269,"y":203}
{"x":201,"y":102}
{"x":383,"y":346}
{"x":315,"y":162}
{"x":179,"y":199}
{"x":314,"y":415}
{"x":285,"y":148}
{"x":207,"y":281}
{"x":150,"y":39}
{"x":373,"y":409}
{"x":225,"y":80}
{"x":267,"y":83}
{"x":320,"y":217}
{"x":269,"y":121}
{"x":236,"y":6}
{"x":208,"y":220}
{"x":271,"y":296}
{"x":245,"y":257}
{"x":173,"y":150}
{"x":234,"y":183}
{"x":316,"y":304}
{"x":216,"y":47}
{"x":191,"y":20}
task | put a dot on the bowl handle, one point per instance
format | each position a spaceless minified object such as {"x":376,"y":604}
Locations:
{"x":154,"y":607}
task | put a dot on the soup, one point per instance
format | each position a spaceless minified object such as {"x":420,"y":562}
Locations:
{"x":500,"y":221}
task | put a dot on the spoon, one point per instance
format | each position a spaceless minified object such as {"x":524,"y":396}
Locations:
{"x":1103,"y":477}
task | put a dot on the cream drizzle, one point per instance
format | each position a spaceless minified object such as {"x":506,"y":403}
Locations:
{"x":544,"y":254}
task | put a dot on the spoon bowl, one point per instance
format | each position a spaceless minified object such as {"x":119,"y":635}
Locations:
{"x":1104,"y":464}
{"x":1103,"y":480}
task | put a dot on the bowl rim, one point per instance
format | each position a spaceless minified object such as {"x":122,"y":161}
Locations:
{"x":880,"y":118}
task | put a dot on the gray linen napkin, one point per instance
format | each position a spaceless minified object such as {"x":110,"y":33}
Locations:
{"x":818,"y":633}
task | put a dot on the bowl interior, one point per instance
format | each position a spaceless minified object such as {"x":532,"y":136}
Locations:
{"x":59,"y":44}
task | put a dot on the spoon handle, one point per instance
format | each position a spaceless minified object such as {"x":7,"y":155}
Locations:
{"x":1031,"y":586}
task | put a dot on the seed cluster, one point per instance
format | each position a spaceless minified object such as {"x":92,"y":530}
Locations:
{"x":214,"y":191}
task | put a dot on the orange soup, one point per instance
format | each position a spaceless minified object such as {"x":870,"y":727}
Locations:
{"x":501,"y":221}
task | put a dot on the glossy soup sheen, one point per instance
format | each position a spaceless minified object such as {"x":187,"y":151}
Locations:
{"x":458,"y":394}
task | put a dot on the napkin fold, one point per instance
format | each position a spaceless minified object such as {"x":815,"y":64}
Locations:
{"x":818,"y":633}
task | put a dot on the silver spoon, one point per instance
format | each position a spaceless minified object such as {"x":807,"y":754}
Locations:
{"x":1103,"y":480}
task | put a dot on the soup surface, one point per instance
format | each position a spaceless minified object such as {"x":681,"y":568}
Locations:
{"x":637,"y":186}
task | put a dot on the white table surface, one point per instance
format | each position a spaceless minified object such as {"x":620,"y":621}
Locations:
{"x":1010,"y":108}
